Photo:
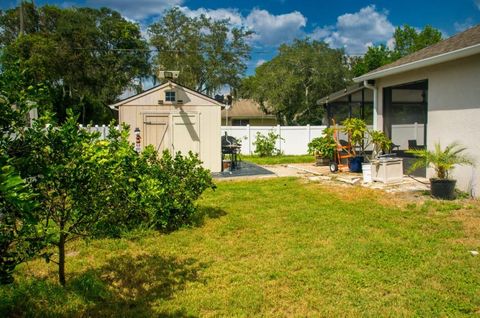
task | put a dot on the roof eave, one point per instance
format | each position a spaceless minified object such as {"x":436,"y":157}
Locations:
{"x":437,"y":59}
{"x":158,"y":87}
{"x":339,"y":94}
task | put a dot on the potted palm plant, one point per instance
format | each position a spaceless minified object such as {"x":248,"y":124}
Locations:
{"x":323,"y":147}
{"x":443,"y":161}
{"x":356,"y":128}
{"x":380,"y":141}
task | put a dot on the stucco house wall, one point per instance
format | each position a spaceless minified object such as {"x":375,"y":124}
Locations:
{"x":453,"y":110}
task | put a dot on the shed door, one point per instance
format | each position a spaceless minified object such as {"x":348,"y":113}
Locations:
{"x":156,"y":131}
{"x":186,"y":133}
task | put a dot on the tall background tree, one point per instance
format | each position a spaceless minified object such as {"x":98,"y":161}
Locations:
{"x":88,"y":56}
{"x":209,"y":54}
{"x":406,"y":41}
{"x":290,"y":84}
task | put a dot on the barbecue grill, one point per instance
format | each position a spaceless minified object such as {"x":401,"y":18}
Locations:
{"x":230,"y":149}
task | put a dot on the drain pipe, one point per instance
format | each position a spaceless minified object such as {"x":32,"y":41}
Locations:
{"x":375,"y":114}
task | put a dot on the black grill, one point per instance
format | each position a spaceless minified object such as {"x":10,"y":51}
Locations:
{"x":231,"y":148}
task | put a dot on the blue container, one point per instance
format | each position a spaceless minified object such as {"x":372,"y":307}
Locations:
{"x":355,"y":164}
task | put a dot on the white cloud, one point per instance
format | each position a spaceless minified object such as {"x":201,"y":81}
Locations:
{"x":216,"y":14}
{"x":269,"y":29}
{"x":137,"y":9}
{"x":357,"y":31}
{"x":275,"y":29}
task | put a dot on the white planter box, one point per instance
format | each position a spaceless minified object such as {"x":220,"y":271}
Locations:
{"x":387,"y":170}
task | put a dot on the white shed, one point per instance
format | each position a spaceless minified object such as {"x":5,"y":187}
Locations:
{"x":171,"y":116}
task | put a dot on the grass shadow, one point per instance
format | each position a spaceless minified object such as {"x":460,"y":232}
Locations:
{"x":136,"y":282}
{"x":126,"y":286}
{"x":206,"y":212}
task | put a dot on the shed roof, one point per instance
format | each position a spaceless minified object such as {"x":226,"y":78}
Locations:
{"x":246,"y":108}
{"x":463,"y":44}
{"x":159,"y":87}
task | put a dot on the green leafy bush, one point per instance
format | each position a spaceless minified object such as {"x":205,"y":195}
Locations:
{"x":265,"y":146}
{"x":59,"y":182}
{"x":323,"y":146}
{"x":380,"y":142}
{"x":171,"y":186}
{"x":19,"y":239}
{"x":356,"y":130}
{"x":88,"y":187}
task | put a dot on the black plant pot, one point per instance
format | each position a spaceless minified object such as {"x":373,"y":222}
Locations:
{"x":355,"y":164}
{"x":443,"y":188}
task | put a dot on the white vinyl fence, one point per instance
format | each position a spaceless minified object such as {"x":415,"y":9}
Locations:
{"x":401,"y":134}
{"x":294,"y":138}
{"x":103,"y":129}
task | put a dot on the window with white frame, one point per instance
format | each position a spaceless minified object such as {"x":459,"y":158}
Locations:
{"x":170,"y":96}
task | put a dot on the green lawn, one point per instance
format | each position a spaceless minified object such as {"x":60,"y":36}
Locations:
{"x":275,"y":248}
{"x":275,"y":160}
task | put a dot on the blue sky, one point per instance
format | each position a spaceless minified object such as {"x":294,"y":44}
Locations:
{"x":351,"y":24}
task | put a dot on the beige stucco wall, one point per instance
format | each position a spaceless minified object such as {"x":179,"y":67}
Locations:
{"x":132,"y":113}
{"x":453,"y":110}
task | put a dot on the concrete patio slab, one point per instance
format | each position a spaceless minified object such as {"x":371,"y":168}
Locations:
{"x":323,"y":174}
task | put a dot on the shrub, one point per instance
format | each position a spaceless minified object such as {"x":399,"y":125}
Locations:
{"x":71,"y":178}
{"x":323,"y":146}
{"x":171,"y":186}
{"x":265,"y":146}
{"x":380,"y":142}
{"x":18,"y":224}
{"x":356,"y":129}
{"x":87,"y":187}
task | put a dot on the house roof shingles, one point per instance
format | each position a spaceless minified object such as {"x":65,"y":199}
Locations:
{"x":459,"y":41}
{"x":245,"y":108}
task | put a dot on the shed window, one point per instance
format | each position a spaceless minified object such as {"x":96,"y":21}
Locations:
{"x":169,"y":96}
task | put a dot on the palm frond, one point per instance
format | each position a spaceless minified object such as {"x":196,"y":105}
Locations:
{"x":443,"y":161}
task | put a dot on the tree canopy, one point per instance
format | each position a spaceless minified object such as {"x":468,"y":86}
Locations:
{"x":88,"y":56}
{"x":406,"y":41}
{"x":409,"y":40}
{"x":290,"y":84}
{"x":208,"y":53}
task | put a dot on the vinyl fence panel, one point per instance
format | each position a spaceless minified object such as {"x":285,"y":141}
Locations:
{"x":294,"y":140}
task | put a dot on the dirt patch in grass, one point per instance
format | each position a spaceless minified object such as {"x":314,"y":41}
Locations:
{"x":469,"y":217}
{"x":352,"y":193}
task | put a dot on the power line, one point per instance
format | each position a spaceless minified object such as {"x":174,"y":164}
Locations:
{"x":153,"y":50}
{"x":182,"y":51}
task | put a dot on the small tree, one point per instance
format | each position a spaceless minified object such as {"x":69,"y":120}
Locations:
{"x":265,"y":146}
{"x":65,"y":166}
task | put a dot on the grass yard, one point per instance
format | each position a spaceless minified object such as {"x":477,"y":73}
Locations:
{"x":275,"y":160}
{"x":275,"y":248}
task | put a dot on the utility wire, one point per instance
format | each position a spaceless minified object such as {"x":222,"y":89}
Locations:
{"x":179,"y":51}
